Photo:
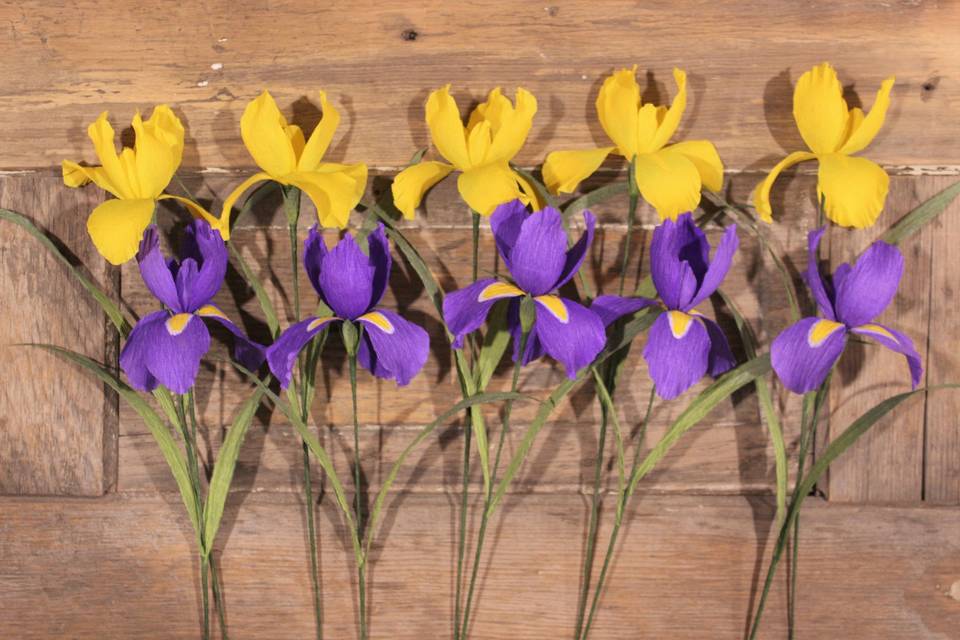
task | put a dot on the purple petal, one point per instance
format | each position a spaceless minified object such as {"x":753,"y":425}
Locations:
{"x":140,"y":342}
{"x":570,"y":333}
{"x":610,"y":308}
{"x":577,"y":252}
{"x":282,"y":354}
{"x":379,"y":250}
{"x":346,"y":279}
{"x":392,"y":347}
{"x":314,"y":251}
{"x":168,"y":353}
{"x":248,"y":353}
{"x":674,"y":246}
{"x":721,"y":358}
{"x":899,"y":342}
{"x":677,"y":353}
{"x":465,"y":310}
{"x":718,"y":268}
{"x":814,"y":280}
{"x":802,"y":357}
{"x":534,"y":348}
{"x":154,"y":270}
{"x":204,"y":247}
{"x":505,"y":223}
{"x":539,"y":254}
{"x":864,"y":292}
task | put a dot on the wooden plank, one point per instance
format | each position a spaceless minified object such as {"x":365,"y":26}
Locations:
{"x":942,"y":470}
{"x":688,"y":567}
{"x":378,"y":63}
{"x":58,"y":426}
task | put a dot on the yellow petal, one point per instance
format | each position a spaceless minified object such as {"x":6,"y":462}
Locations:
{"x":478,"y":143}
{"x":263,"y":129}
{"x":761,"y":197}
{"x":671,"y":119}
{"x":412,"y":184}
{"x":101,"y":133}
{"x":509,"y":125}
{"x":446,"y":129}
{"x":225,"y":213}
{"x":647,"y":123}
{"x":157,"y":156}
{"x":853,"y":189}
{"x":116,"y":227}
{"x":705,"y":158}
{"x":295,"y":136}
{"x":617,"y":107}
{"x":819,"y":109}
{"x":75,"y":175}
{"x":865,"y":131}
{"x":563,"y":171}
{"x":486,"y":187}
{"x":320,"y":139}
{"x":164,"y":125}
{"x":529,"y":194}
{"x":669,"y":182}
{"x":199,"y":212}
{"x":334,"y":193}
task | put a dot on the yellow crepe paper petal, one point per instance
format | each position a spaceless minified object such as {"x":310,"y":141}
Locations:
{"x":224,"y":222}
{"x":669,"y":182}
{"x":263,"y":129}
{"x":446,"y":129}
{"x":617,"y":107}
{"x":101,"y":134}
{"x":199,"y":212}
{"x":705,"y":158}
{"x":563,"y":171}
{"x":75,"y":175}
{"x":321,"y":137}
{"x":761,"y":197}
{"x":529,"y":194}
{"x":486,"y":187}
{"x":819,"y":109}
{"x":671,"y":119}
{"x":116,"y":227}
{"x":333,"y":193}
{"x":157,"y":155}
{"x":862,"y":133}
{"x":853,"y":189}
{"x":297,"y":141}
{"x":478,"y":143}
{"x":412,"y":184}
{"x":510,"y":124}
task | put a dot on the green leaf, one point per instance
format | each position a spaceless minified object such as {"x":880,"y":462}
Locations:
{"x":596,"y":196}
{"x":417,"y":156}
{"x":269,"y":312}
{"x":158,"y":429}
{"x":926,"y":212}
{"x":109,"y":307}
{"x":542,"y":193}
{"x":495,"y":342}
{"x":611,"y":412}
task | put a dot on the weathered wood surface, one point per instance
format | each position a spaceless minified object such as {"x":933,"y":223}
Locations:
{"x":688,"y":567}
{"x":58,"y":427}
{"x":379,"y":61}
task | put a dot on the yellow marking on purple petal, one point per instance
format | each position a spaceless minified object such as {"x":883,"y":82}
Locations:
{"x":210,"y":311}
{"x":679,"y":323}
{"x":877,"y":329}
{"x":176,"y":324}
{"x":498,"y":290}
{"x":319,"y":322}
{"x":379,"y":320}
{"x":821,"y":330}
{"x":555,"y":306}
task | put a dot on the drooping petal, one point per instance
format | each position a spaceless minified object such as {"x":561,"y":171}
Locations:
{"x":397,"y":348}
{"x":617,"y":105}
{"x":719,"y":266}
{"x":671,"y":119}
{"x":314,"y":252}
{"x":866,"y":290}
{"x":116,"y":227}
{"x":465,"y":310}
{"x":529,"y":194}
{"x":319,"y":142}
{"x":411,"y":184}
{"x":674,"y":247}
{"x":178,"y":345}
{"x":334,"y":190}
{"x":677,"y":353}
{"x":282,"y":354}
{"x":867,"y":130}
{"x":346,"y":279}
{"x":539,"y":254}
{"x":610,"y":308}
{"x":570,"y":333}
{"x":201,"y":214}
{"x":224,"y":223}
{"x":761,"y":197}
{"x":140,"y":342}
{"x":206,"y":248}
{"x":721,"y":357}
{"x":75,"y":175}
{"x":576,"y":253}
{"x":484,"y":188}
{"x":505,"y":223}
{"x":248,"y":353}
{"x":896,"y":341}
{"x":804,"y":353}
{"x":154,"y":270}
{"x":669,"y":181}
{"x":379,"y":250}
{"x":262,"y":129}
{"x":563,"y":171}
{"x":819,"y":109}
{"x":705,"y":158}
{"x":853,"y":189}
{"x":818,"y":287}
{"x":102,"y":136}
{"x":446,"y":128}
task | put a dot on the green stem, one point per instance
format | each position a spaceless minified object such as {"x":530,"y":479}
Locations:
{"x":189,"y":434}
{"x":358,"y":506}
{"x":218,"y":599}
{"x":476,"y":245}
{"x":631,"y":220}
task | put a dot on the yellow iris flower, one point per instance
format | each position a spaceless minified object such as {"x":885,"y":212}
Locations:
{"x":284,"y":156}
{"x":137,"y":177}
{"x":853,"y":189}
{"x":481,"y":151}
{"x":668,"y":177}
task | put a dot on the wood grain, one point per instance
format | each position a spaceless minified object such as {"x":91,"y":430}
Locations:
{"x":378,"y":62}
{"x":58,"y":426}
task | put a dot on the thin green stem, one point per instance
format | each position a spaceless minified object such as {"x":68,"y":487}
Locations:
{"x":358,"y":502}
{"x":476,"y":245}
{"x":189,"y":434}
{"x":631,"y":220}
{"x":218,"y":599}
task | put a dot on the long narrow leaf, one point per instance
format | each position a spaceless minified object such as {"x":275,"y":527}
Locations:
{"x":926,"y":212}
{"x":495,"y":343}
{"x":596,"y":196}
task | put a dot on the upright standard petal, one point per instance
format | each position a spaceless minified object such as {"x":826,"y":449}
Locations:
{"x":116,"y":227}
{"x":248,"y":353}
{"x":446,"y":128}
{"x":867,"y":289}
{"x":392,"y":346}
{"x":617,"y":105}
{"x":262,"y":129}
{"x":178,"y":345}
{"x":671,"y":119}
{"x":159,"y":148}
{"x":677,"y":353}
{"x":539,"y":254}
{"x":319,"y":142}
{"x":505,"y":223}
{"x":509,"y":124}
{"x":346,"y":279}
{"x":896,"y":341}
{"x":804,"y":353}
{"x":563,"y":171}
{"x":576,"y":254}
{"x":379,"y":249}
{"x":866,"y":131}
{"x":719,"y":266}
{"x":669,"y":181}
{"x":818,"y":287}
{"x":154,"y":270}
{"x":673,"y":247}
{"x":102,"y":135}
{"x":611,"y":308}
{"x":484,"y":188}
{"x":853,"y":189}
{"x":410,"y":185}
{"x":205,"y":246}
{"x":282,"y":354}
{"x":761,"y":197}
{"x":819,"y":109}
{"x":705,"y":158}
{"x":465,"y":310}
{"x":314,"y":252}
{"x":570,"y":333}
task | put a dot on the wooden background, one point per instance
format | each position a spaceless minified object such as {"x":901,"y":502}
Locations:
{"x":93,"y":541}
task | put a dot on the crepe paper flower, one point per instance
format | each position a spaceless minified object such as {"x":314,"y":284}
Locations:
{"x":853,"y":189}
{"x":805,"y":352}
{"x":284,"y":156}
{"x":136,"y":177}
{"x":534,"y":249}
{"x":684,"y":345}
{"x":352,"y":285}
{"x":481,"y":151}
{"x":669,"y":177}
{"x":165,"y":347}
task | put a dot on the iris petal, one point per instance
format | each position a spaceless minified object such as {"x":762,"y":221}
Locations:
{"x":802,"y":355}
{"x":206,"y":248}
{"x":677,"y":357}
{"x":574,"y":338}
{"x":896,"y":341}
{"x":853,"y":189}
{"x":819,"y":109}
{"x":563,"y":171}
{"x":611,"y":308}
{"x":316,"y":146}
{"x":576,"y":253}
{"x":669,"y":181}
{"x":814,"y":280}
{"x":867,"y":128}
{"x":379,"y":249}
{"x":262,"y":128}
{"x":346,"y":279}
{"x":484,"y":188}
{"x":867,"y":289}
{"x":410,"y":185}
{"x":505,"y":223}
{"x":465,"y":310}
{"x":761,"y":197}
{"x":674,"y":246}
{"x":174,"y":359}
{"x":394,"y":347}
{"x":116,"y":227}
{"x":539,"y":254}
{"x":721,"y":358}
{"x":314,"y":252}
{"x":133,"y":357}
{"x":154,"y":271}
{"x":248,"y":353}
{"x":282,"y":354}
{"x":446,"y":128}
{"x":719,"y":266}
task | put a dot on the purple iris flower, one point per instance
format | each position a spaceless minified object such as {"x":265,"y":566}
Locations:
{"x":684,"y":345}
{"x":533,"y":247}
{"x":166,"y":346}
{"x":805,"y":352}
{"x":352,"y":284}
